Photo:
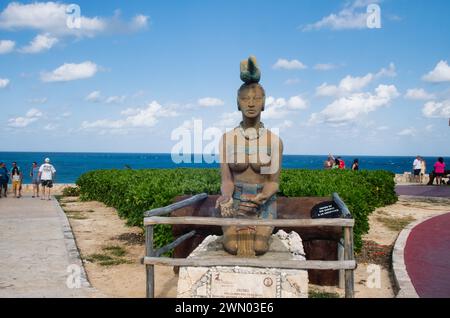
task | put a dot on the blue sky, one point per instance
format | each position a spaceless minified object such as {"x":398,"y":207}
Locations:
{"x":136,"y":70}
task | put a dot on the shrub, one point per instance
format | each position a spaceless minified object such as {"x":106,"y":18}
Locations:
{"x":71,"y":191}
{"x":132,"y":192}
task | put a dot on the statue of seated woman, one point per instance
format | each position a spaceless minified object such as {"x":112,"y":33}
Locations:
{"x":250,"y":168}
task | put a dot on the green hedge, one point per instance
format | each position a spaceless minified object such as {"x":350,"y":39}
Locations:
{"x":132,"y":192}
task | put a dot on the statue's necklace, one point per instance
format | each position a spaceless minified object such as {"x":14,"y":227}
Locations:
{"x":251,"y":133}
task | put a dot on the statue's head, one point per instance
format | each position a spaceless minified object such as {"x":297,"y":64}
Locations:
{"x":251,"y":95}
{"x":251,"y":99}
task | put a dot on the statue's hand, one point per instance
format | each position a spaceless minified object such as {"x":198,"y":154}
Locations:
{"x":222,"y":199}
{"x":225,"y":205}
{"x":248,"y":204}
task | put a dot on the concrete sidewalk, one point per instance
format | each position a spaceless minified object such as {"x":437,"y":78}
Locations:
{"x":36,"y":249}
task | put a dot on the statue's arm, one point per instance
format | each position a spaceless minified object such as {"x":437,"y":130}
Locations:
{"x":227,"y":185}
{"x":271,"y":186}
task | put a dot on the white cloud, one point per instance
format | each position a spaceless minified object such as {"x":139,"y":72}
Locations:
{"x":382,"y":128}
{"x":94,"y":97}
{"x":51,"y":126}
{"x":437,"y":109}
{"x":441,"y":73}
{"x":411,"y":132}
{"x":350,"y":108}
{"x":42,"y":42}
{"x":139,"y":22}
{"x":289,"y":65}
{"x":324,"y":66}
{"x":229,"y":120}
{"x":6,"y":46}
{"x":51,"y":17}
{"x":136,"y":118}
{"x":347,"y":85}
{"x":71,"y":72}
{"x":418,"y":94}
{"x":352,"y":16}
{"x":37,"y":100}
{"x":286,"y":124}
{"x":277,"y":108}
{"x":297,"y":102}
{"x":387,"y":72}
{"x":291,"y":81}
{"x":31,"y":116}
{"x":350,"y":84}
{"x":4,"y":82}
{"x":33,"y":112}
{"x":210,"y":101}
{"x":115,"y":99}
{"x":429,"y":128}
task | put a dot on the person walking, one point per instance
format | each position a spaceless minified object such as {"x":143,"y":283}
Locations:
{"x":4,"y":179}
{"x":355,"y":165}
{"x":417,"y":165}
{"x":34,"y":174}
{"x":46,"y":175}
{"x":439,"y":170}
{"x":16,"y":179}
{"x":328,"y":164}
{"x":423,"y":169}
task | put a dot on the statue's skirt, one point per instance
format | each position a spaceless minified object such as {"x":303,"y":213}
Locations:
{"x":268,"y":210}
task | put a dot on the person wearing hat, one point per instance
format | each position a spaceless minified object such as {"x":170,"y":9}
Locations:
{"x":46,"y":175}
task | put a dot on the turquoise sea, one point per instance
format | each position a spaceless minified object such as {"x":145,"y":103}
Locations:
{"x":70,"y":166}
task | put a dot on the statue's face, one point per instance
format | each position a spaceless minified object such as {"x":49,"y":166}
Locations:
{"x":251,"y":102}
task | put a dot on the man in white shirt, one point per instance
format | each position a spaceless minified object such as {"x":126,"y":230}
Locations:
{"x":417,"y":166}
{"x":46,"y":175}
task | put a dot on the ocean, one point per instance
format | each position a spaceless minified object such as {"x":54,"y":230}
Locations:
{"x":70,"y":166}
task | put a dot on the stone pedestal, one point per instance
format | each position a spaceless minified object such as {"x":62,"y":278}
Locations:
{"x":246,"y":282}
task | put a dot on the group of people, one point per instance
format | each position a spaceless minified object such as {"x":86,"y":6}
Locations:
{"x":337,"y":163}
{"x":439,"y":170}
{"x":42,"y":175}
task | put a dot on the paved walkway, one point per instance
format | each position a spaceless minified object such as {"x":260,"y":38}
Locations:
{"x":36,"y":249}
{"x":427,"y":257}
{"x":424,"y":190}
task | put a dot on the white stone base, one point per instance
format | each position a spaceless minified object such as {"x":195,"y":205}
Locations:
{"x":246,"y":282}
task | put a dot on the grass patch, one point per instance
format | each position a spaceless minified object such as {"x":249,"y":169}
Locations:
{"x":115,"y":250}
{"x":112,"y":256}
{"x":395,"y":224}
{"x":116,"y":261}
{"x":77,"y":216}
{"x":322,"y":294}
{"x":98,"y":258}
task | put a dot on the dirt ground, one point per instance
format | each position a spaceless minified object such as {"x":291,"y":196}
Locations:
{"x":111,"y":250}
{"x":98,"y":229}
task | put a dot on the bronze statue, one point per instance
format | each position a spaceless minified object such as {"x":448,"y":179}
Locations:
{"x":250,"y":168}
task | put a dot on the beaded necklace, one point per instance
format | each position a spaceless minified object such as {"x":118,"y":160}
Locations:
{"x":251,"y":133}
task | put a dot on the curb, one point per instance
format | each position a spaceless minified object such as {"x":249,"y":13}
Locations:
{"x":71,"y":247}
{"x":401,"y":278}
{"x":418,"y":197}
